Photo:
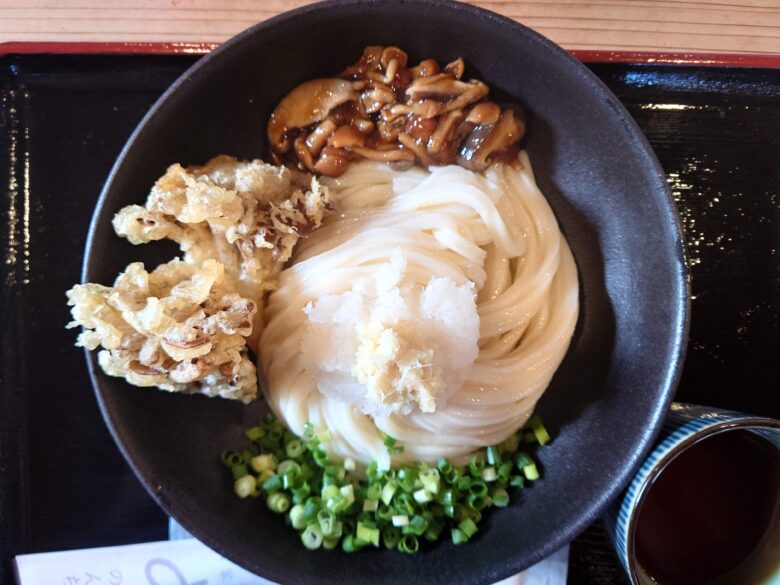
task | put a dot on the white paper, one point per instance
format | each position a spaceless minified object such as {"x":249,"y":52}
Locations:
{"x":180,"y":562}
{"x":188,"y":562}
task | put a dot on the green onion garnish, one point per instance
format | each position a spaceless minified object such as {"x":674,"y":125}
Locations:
{"x":312,"y":537}
{"x":279,"y":502}
{"x":408,"y":544}
{"x":245,"y":486}
{"x":334,"y":504}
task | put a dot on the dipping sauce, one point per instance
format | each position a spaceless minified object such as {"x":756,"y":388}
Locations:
{"x":712,"y":515}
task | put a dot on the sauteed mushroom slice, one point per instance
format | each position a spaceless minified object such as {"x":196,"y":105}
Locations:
{"x":307,"y":104}
{"x":477,"y":150}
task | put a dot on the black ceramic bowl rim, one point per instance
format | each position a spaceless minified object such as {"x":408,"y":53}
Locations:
{"x":681,"y":311}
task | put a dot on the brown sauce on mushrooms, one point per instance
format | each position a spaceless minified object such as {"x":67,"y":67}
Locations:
{"x":382,"y":109}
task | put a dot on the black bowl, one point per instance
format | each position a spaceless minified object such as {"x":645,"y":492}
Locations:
{"x":610,"y":395}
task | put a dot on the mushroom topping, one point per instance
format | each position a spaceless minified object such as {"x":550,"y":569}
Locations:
{"x":477,"y":151}
{"x":307,"y":104}
{"x":382,"y":109}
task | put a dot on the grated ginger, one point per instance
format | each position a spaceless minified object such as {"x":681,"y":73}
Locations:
{"x":395,"y":373}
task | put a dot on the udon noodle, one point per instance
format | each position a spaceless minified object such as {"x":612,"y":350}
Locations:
{"x":494,"y":229}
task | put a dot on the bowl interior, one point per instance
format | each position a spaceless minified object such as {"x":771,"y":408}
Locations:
{"x":608,"y":192}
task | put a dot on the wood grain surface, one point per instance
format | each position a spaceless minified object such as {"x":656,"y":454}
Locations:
{"x":678,"y":26}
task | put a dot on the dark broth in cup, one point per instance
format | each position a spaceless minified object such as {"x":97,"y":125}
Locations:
{"x":712,"y":515}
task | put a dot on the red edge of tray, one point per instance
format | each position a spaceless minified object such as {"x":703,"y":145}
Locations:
{"x":651,"y":57}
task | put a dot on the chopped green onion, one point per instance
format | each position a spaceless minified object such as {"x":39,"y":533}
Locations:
{"x":391,"y":535}
{"x":530,"y":472}
{"x":404,"y":503}
{"x":408,"y":544}
{"x":326,"y":520}
{"x":367,"y":534}
{"x":262,"y":463}
{"x":395,"y":450}
{"x":348,"y":491}
{"x":312,"y":537}
{"x":349,"y":464}
{"x":297,"y":518}
{"x":430,"y":480}
{"x":311,"y":508}
{"x":422,"y":496}
{"x":417,"y":526}
{"x":300,"y":493}
{"x":468,"y":527}
{"x":389,"y":441}
{"x":458,"y":537}
{"x":478,"y":488}
{"x":239,"y":470}
{"x":337,"y":504}
{"x":374,"y":491}
{"x":500,"y":497}
{"x":370,"y":505}
{"x":265,"y":476}
{"x":541,"y":434}
{"x":338,"y":529}
{"x":522,"y":459}
{"x":447,"y":497}
{"x":231,"y":458}
{"x":329,"y":492}
{"x":278,"y":502}
{"x":272,"y":484}
{"x":245,"y":486}
{"x":308,"y":430}
{"x":447,"y":471}
{"x":400,"y":520}
{"x":434,"y":530}
{"x":320,"y":457}
{"x":476,"y":465}
{"x":330,"y":542}
{"x":388,"y":491}
{"x":348,"y":543}
{"x":489,"y":474}
{"x":385,"y":512}
{"x":493,"y":456}
{"x":254,"y":433}
{"x":444,"y":465}
{"x":294,"y":448}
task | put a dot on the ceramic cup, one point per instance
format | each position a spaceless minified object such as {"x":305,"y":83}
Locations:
{"x":689,"y":426}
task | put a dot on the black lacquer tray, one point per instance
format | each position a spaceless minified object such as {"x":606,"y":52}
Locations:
{"x":63,"y":120}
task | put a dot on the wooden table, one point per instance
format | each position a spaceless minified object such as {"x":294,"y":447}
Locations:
{"x":729,"y":29}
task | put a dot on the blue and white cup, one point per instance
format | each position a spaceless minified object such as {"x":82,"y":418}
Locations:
{"x":686,"y":425}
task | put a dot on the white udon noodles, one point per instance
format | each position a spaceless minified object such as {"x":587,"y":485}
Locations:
{"x":495,"y":229}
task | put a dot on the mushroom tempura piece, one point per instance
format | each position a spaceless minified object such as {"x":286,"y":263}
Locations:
{"x":381,"y":109}
{"x":248,"y":215}
{"x":179,"y":328}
